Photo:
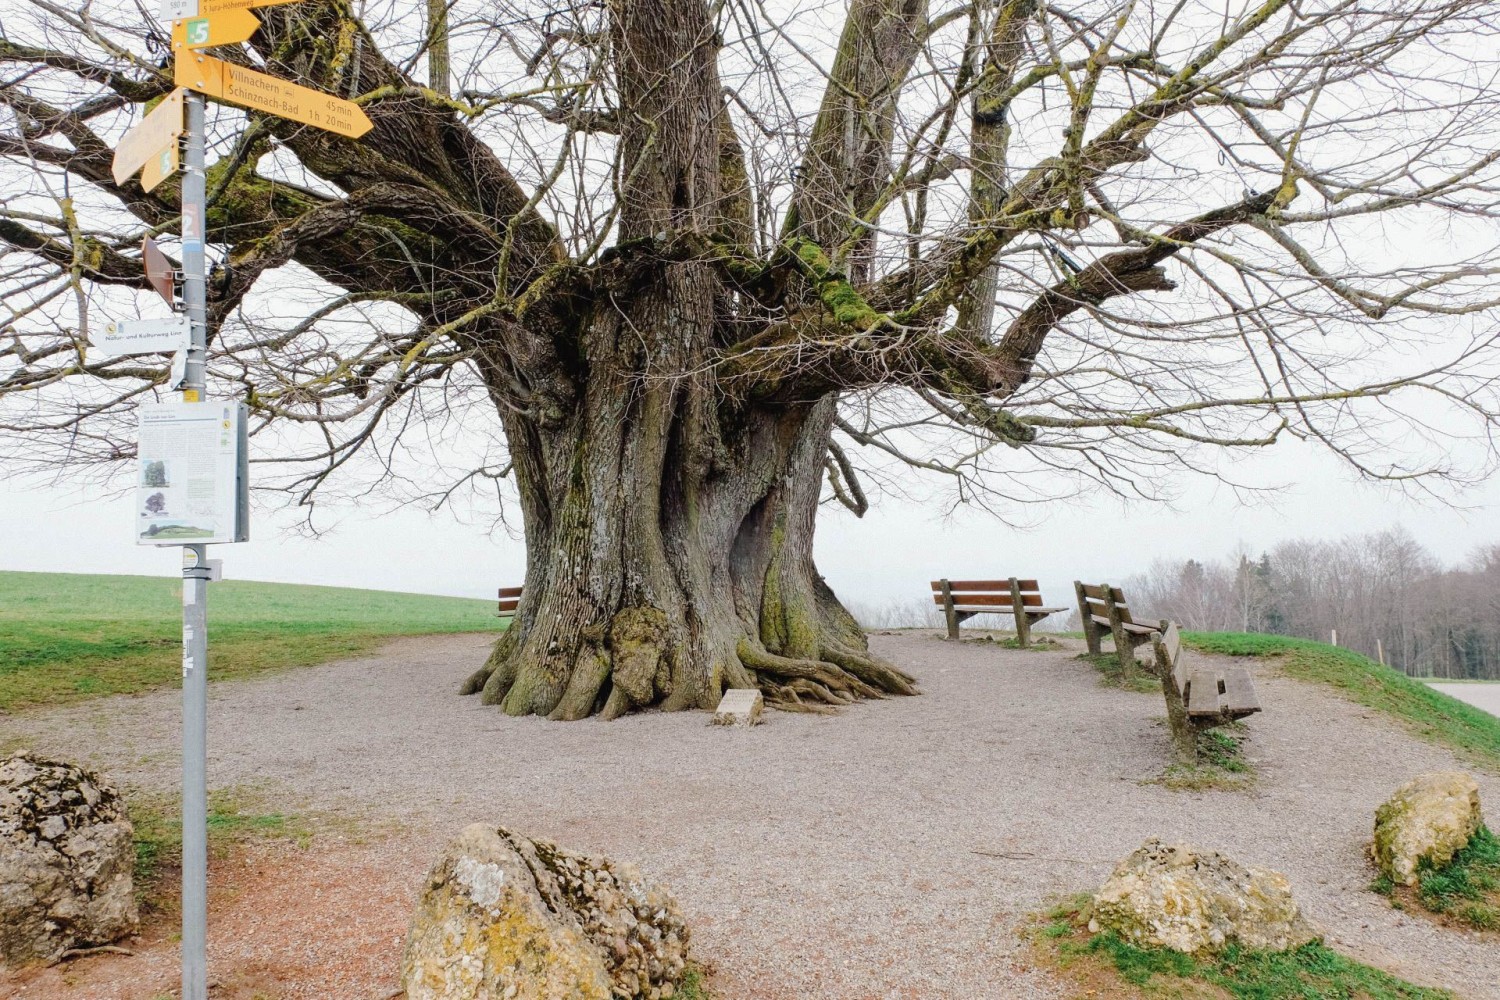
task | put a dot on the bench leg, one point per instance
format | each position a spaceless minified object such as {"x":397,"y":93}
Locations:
{"x":1090,"y":630}
{"x":948,"y":612}
{"x":1023,"y":623}
{"x":1184,"y":733}
{"x":1124,"y":648}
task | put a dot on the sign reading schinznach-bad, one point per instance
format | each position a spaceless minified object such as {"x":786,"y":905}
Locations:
{"x":263,"y":92}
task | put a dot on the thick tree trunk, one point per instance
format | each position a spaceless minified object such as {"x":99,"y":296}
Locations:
{"x":669,"y":534}
{"x":668,"y":561}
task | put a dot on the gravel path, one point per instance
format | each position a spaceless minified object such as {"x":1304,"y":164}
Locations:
{"x":891,"y":851}
{"x":1485,"y":696}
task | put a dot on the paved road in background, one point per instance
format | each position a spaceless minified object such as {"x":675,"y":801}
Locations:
{"x":1485,"y":696}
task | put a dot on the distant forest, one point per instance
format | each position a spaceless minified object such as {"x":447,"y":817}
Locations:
{"x":1380,"y":591}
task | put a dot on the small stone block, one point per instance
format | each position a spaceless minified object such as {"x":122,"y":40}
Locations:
{"x":739,"y":707}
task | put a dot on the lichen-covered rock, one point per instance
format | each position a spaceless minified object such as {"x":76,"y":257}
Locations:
{"x":1178,"y":897}
{"x":1430,"y":818}
{"x":508,"y":918}
{"x":67,"y":855}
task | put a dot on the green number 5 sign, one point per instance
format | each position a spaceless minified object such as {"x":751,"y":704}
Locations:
{"x":197,"y":31}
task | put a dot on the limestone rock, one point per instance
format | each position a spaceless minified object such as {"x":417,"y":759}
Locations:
{"x":67,"y":857}
{"x":739,"y":707}
{"x":1430,"y":818}
{"x":1178,"y":897}
{"x":507,"y":917}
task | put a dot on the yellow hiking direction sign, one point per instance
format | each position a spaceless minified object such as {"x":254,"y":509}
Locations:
{"x":262,"y":92}
{"x":156,"y":132}
{"x":227,"y":27}
{"x":161,"y":166}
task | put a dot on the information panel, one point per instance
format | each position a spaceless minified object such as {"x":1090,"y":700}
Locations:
{"x":192,"y":485}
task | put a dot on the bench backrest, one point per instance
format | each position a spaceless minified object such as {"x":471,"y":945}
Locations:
{"x":510,"y":599}
{"x":989,"y":593}
{"x":1169,"y":656}
{"x":1099,"y":599}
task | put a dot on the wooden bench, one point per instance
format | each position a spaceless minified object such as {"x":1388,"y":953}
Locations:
{"x":510,"y":599}
{"x":1103,"y":612}
{"x":1198,"y":698}
{"x":963,"y":599}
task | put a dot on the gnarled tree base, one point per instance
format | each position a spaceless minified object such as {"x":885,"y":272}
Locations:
{"x":637,"y":662}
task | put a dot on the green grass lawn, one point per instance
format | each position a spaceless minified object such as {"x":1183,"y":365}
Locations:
{"x":65,"y":636}
{"x":1430,"y":714}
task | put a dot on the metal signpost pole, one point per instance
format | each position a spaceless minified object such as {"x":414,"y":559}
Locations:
{"x":195,"y":574}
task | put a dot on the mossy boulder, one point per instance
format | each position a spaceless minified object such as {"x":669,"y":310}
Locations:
{"x":1185,"y":899}
{"x":504,"y":916}
{"x":1430,"y":818}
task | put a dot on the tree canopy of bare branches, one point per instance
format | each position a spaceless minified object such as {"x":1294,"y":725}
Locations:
{"x":681,"y":270}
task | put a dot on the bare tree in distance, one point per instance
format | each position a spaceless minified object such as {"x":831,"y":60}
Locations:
{"x":1381,"y":591}
{"x":680,"y":272}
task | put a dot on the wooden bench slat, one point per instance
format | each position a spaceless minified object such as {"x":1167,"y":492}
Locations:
{"x":1239,"y":692}
{"x":1180,"y":674}
{"x":991,"y":600}
{"x":1098,"y":593}
{"x":1172,"y":638}
{"x":957,"y":585}
{"x":1203,"y":693}
{"x":510,"y":591}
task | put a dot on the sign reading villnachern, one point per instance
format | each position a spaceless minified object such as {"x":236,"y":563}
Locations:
{"x":192,"y":480}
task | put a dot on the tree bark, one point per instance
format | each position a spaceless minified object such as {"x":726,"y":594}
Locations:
{"x":669,"y":547}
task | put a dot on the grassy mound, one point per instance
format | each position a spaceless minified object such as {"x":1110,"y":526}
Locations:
{"x":65,"y":637}
{"x":1434,"y":716}
{"x":1104,"y":965}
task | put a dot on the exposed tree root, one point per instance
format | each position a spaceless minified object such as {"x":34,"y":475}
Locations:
{"x":841,"y":677}
{"x":872,"y":670}
{"x":784,"y":699}
{"x":633,"y":663}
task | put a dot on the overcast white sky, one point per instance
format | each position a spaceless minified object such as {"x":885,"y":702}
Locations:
{"x":888,"y":556}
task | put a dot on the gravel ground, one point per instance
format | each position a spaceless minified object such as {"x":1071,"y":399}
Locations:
{"x":1485,"y":696}
{"x":890,"y":851}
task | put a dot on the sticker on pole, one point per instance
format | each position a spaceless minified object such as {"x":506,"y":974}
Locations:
{"x":191,"y":485}
{"x":225,"y":27}
{"x":159,"y":335}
